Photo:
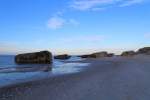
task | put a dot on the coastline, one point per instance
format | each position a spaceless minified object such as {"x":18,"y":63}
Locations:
{"x":119,"y":78}
{"x":17,"y":74}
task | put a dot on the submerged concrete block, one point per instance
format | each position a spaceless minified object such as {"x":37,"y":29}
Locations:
{"x":43,"y":57}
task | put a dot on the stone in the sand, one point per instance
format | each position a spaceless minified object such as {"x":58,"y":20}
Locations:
{"x":100,"y":54}
{"x":43,"y":57}
{"x":95,"y":55}
{"x":84,"y":56}
{"x":110,"y":55}
{"x":88,"y":56}
{"x":128,"y":53}
{"x":145,"y":50}
{"x":62,"y":57}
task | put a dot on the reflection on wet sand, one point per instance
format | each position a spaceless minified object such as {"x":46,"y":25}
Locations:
{"x":27,"y":68}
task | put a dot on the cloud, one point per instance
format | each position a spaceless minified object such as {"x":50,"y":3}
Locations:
{"x":131,"y":2}
{"x":56,"y":22}
{"x":59,"y":22}
{"x":88,"y":4}
{"x":98,"y":9}
{"x":84,"y":5}
{"x":147,"y":35}
{"x":73,"y":22}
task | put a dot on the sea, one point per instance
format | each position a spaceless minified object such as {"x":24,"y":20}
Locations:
{"x":12,"y":73}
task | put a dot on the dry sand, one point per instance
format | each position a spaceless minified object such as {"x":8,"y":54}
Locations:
{"x":114,"y":78}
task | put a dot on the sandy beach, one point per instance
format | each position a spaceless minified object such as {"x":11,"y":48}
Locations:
{"x":115,"y":78}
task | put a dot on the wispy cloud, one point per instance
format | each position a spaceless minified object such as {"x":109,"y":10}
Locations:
{"x":131,"y":2}
{"x":73,"y":22}
{"x":84,"y":5}
{"x":147,"y":35}
{"x":57,"y":22}
{"x":98,"y":9}
{"x":88,"y":4}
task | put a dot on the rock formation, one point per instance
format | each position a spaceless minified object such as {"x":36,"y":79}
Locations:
{"x":100,"y":54}
{"x":97,"y":55}
{"x":110,"y":55}
{"x":88,"y":56}
{"x":128,"y":53}
{"x":145,"y":50}
{"x":43,"y":57}
{"x":62,"y":57}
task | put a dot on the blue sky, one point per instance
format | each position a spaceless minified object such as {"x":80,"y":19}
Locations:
{"x":73,"y":26}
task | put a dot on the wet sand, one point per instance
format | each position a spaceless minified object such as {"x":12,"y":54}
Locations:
{"x":117,"y":78}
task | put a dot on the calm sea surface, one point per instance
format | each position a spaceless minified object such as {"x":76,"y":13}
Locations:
{"x":12,"y":73}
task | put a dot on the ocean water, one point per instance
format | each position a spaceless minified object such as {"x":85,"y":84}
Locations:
{"x":12,"y":73}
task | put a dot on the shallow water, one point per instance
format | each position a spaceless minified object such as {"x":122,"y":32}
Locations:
{"x":11,"y":73}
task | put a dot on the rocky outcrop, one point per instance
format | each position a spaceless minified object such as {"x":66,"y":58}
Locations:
{"x":62,"y":57}
{"x":43,"y":57}
{"x":88,"y":56}
{"x":145,"y":50}
{"x":97,"y":55}
{"x":110,"y":55}
{"x":100,"y":54}
{"x":128,"y":53}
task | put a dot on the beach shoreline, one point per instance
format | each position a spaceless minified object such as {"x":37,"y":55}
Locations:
{"x":115,"y":78}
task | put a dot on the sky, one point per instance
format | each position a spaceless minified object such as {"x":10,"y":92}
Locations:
{"x":73,"y":26}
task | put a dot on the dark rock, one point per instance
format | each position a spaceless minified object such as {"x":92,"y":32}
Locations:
{"x":100,"y":54}
{"x":62,"y":57}
{"x":110,"y":55}
{"x":145,"y":50}
{"x":83,"y":56}
{"x":95,"y":55}
{"x":43,"y":57}
{"x":92,"y":56}
{"x":88,"y":56}
{"x":128,"y":53}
